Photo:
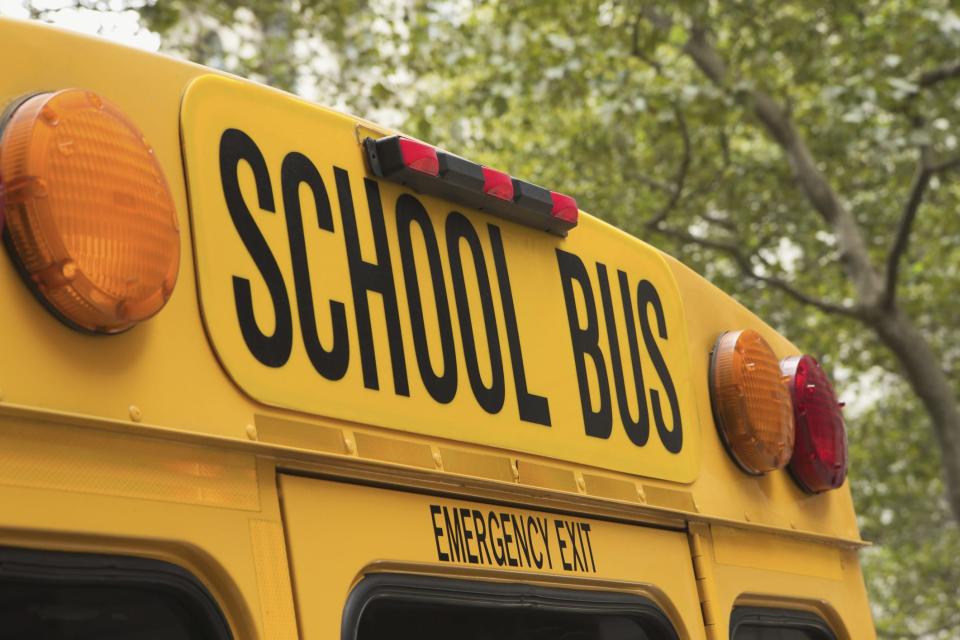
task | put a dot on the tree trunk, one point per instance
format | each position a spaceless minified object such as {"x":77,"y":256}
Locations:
{"x":927,"y":379}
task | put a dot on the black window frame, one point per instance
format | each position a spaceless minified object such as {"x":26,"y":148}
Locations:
{"x":777,"y":618}
{"x":435,"y":590}
{"x":77,"y":569}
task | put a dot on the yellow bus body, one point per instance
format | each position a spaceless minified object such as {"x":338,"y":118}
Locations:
{"x":280,"y":491}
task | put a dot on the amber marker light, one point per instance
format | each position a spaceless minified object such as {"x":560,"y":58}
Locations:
{"x":751,"y":402}
{"x":89,"y":217}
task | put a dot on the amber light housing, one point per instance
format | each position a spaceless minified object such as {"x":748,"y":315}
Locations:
{"x":819,"y":460}
{"x":90,"y":220}
{"x":751,"y":403}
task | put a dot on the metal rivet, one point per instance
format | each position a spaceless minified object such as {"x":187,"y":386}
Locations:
{"x":135,"y":414}
{"x":350,"y":445}
{"x":252,"y":432}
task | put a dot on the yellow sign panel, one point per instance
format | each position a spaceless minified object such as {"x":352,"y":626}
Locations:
{"x":327,"y":291}
{"x":338,"y":532}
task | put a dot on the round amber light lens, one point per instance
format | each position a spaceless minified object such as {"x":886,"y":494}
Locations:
{"x":751,"y":402}
{"x":89,"y":216}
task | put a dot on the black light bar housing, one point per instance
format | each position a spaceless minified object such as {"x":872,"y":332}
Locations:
{"x":462,"y":181}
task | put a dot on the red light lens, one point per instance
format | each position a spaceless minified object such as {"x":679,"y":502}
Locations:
{"x":564,"y":207}
{"x":497,"y":184}
{"x":419,"y":157}
{"x":819,"y":461}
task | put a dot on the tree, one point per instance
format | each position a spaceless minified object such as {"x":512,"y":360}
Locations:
{"x":801,"y":155}
{"x":756,"y":90}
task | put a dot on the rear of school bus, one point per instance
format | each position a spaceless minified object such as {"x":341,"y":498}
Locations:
{"x":270,"y":371}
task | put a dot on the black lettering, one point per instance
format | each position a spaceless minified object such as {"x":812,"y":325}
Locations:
{"x":366,"y":277}
{"x":454,"y":534}
{"x":467,"y":534}
{"x":571,"y":528}
{"x":501,"y":557}
{"x":441,"y":387}
{"x":481,"y":532}
{"x":585,"y":341}
{"x":533,"y":408}
{"x":271,"y":350}
{"x":545,"y":532}
{"x":521,"y":536}
{"x":672,"y":438}
{"x":296,"y":170}
{"x":437,"y":533}
{"x":585,"y":527}
{"x":507,"y":539}
{"x":558,"y":525}
{"x":638,"y":431}
{"x":537,"y":559}
{"x":459,"y":228}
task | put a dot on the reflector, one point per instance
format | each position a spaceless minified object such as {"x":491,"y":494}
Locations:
{"x":89,"y":217}
{"x":819,"y":461}
{"x":751,"y":404}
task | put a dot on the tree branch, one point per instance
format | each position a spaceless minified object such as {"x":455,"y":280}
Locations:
{"x":681,"y":176}
{"x":940,"y":74}
{"x":637,"y":51}
{"x":744,"y":262}
{"x":945,"y":165}
{"x":926,"y":169}
{"x":811,"y":181}
{"x":921,"y":180}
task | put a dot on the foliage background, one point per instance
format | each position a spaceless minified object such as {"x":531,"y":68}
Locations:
{"x":601,"y":98}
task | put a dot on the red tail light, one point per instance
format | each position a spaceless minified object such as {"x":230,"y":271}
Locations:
{"x":819,"y":461}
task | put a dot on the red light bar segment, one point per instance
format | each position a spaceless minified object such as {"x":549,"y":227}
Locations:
{"x":427,"y":169}
{"x":564,"y":208}
{"x":419,"y":157}
{"x":497,"y":184}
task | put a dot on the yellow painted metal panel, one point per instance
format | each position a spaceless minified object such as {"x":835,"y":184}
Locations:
{"x":273,"y":261}
{"x":745,"y":548}
{"x":273,"y":579}
{"x":723,"y":489}
{"x":52,"y":456}
{"x":751,"y":568}
{"x":337,"y":533}
{"x":213,"y":512}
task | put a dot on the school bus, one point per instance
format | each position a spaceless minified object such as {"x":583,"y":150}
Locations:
{"x":273,"y":371}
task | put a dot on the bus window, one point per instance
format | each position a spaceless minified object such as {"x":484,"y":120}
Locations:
{"x":62,"y":596}
{"x":401,"y":608}
{"x":755,"y":623}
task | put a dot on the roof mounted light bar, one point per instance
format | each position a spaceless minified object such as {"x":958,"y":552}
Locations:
{"x":427,"y":169}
